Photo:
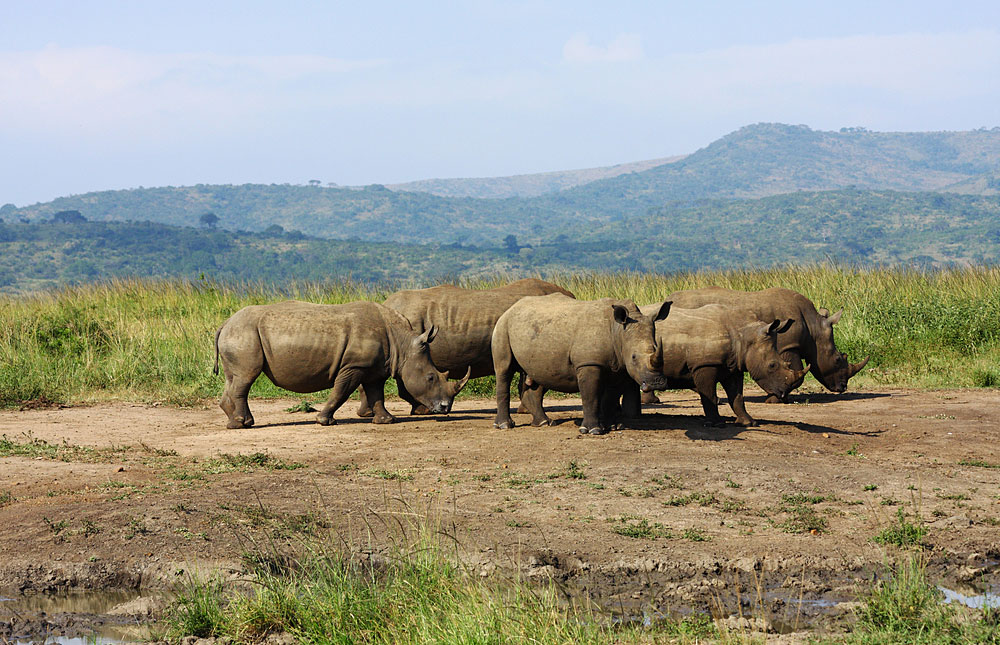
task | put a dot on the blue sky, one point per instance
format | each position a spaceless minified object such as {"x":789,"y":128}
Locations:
{"x":107,"y":95}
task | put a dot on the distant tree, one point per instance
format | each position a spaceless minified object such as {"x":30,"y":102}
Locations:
{"x":510,"y":243}
{"x":209,"y":219}
{"x":274,"y":230}
{"x":68,"y":217}
{"x":314,"y":182}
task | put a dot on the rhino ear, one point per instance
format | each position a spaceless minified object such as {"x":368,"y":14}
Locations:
{"x":823,"y":311}
{"x":773,"y":327}
{"x":785,"y":326}
{"x":426,"y":337}
{"x":834,"y":318}
{"x":621,"y":314}
{"x":664,"y":310}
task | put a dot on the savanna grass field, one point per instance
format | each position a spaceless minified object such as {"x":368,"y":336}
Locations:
{"x":639,"y":536}
{"x":149,"y":340}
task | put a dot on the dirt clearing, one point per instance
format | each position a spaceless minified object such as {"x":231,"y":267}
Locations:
{"x":669,"y":516}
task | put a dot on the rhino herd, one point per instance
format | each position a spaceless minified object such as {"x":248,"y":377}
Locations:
{"x":615,"y":354}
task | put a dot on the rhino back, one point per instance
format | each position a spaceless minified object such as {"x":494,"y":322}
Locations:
{"x":693,"y":338}
{"x":465,"y":319}
{"x":551,"y":336}
{"x":768,"y":304}
{"x":305,"y":345}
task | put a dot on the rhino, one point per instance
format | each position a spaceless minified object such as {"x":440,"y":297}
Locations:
{"x":809,"y":339}
{"x":702,"y":347}
{"x":465,"y":319}
{"x":306,"y":347}
{"x":571,"y":345}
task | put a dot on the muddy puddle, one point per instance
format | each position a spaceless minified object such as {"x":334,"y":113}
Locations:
{"x":101,"y":617}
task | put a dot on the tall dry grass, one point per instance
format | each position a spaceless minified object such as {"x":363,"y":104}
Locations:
{"x":152,"y":340}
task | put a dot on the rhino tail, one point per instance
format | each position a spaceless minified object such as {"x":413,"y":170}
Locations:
{"x":215,"y":370}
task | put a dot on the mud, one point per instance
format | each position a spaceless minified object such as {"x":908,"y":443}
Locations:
{"x":663,"y":519}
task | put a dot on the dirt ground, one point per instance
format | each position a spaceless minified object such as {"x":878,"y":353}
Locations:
{"x":666,"y":517}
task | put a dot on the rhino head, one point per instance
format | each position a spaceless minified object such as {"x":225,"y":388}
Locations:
{"x":422,"y":379}
{"x":635,"y":339}
{"x":760,"y":357}
{"x":831,"y":367}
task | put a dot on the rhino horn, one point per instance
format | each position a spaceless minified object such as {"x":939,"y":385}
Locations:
{"x":835,"y":318}
{"x":801,"y":374}
{"x":857,"y":367}
{"x":465,"y":379}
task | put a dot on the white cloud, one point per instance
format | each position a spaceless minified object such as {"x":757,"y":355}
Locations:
{"x":94,"y":89}
{"x":624,"y":48}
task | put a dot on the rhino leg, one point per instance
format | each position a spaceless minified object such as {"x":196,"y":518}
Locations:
{"x":234,"y":400}
{"x":365,"y":410}
{"x":650,"y":398}
{"x":346,"y":381}
{"x":504,"y":366}
{"x":522,"y":408}
{"x":531,"y":400}
{"x":373,"y":398}
{"x":632,"y":400}
{"x":705,"y":380}
{"x":611,"y":407}
{"x":733,"y":385}
{"x":589,"y":380}
{"x":416,"y":407}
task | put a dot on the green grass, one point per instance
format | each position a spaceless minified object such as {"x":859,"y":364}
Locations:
{"x":906,"y":608}
{"x":414,"y":595}
{"x":153,"y":340}
{"x":903,"y":533}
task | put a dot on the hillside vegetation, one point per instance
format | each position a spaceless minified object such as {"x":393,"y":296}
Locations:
{"x":754,"y":162}
{"x":152,"y":340}
{"x":848,"y":226}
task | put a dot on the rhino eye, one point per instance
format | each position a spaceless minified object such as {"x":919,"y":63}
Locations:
{"x":430,"y":378}
{"x":772,"y":365}
{"x":634,"y":357}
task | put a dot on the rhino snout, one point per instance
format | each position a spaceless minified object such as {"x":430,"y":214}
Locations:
{"x":441,"y":407}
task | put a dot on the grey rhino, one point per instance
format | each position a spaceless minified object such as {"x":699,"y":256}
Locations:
{"x":574,"y":346}
{"x":306,"y":347}
{"x":465,"y":319}
{"x":715,"y":344}
{"x":809,"y":339}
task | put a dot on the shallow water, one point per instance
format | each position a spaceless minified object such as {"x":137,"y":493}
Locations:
{"x":988,"y":600}
{"x":67,"y":619}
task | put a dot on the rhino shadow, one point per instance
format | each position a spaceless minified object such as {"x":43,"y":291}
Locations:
{"x":822,"y":397}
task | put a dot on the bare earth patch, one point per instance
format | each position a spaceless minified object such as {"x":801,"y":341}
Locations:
{"x":667,"y":517}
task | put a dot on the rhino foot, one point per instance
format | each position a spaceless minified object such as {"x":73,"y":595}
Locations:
{"x":238,"y":423}
{"x":326,"y":421}
{"x":420,"y":409}
{"x":596,"y":430}
{"x":776,"y":399}
{"x":747,"y":423}
{"x":715,"y":424}
{"x":364,"y":413}
{"x":521,"y":409}
{"x":542,"y":422}
{"x":388,"y":418}
{"x":503,"y":425}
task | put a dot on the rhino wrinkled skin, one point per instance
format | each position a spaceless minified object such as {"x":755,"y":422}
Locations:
{"x":306,"y":347}
{"x":716,"y":344}
{"x":809,"y":339}
{"x":574,"y":346}
{"x":465,"y":319}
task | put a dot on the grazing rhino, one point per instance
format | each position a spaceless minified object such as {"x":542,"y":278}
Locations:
{"x":574,"y":346}
{"x":465,"y":319}
{"x":702,"y":347}
{"x":809,"y":339}
{"x":306,"y":347}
